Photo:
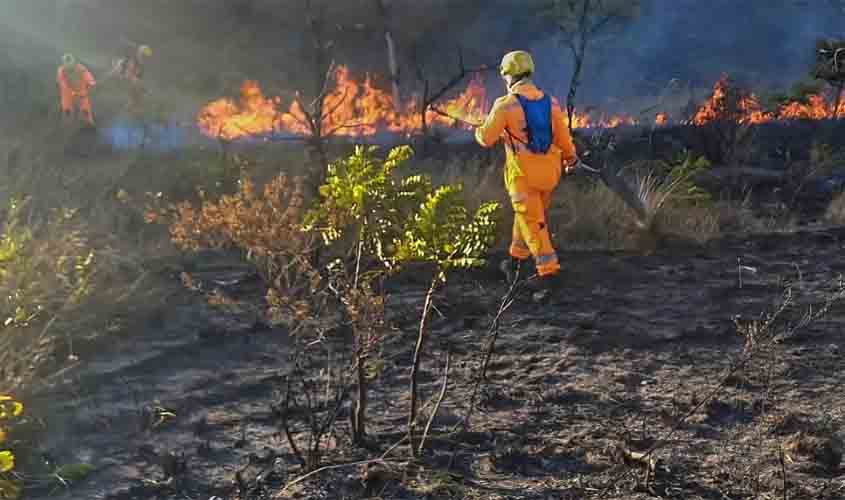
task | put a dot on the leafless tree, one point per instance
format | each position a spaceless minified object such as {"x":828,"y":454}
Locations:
{"x":580,"y":22}
{"x":830,"y":68}
{"x":431,"y":94}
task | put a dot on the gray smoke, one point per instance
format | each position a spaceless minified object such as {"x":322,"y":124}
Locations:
{"x":761,"y":43}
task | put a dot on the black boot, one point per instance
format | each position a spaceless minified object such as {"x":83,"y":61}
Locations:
{"x":544,"y":287}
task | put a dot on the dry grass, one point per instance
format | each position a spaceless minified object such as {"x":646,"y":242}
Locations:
{"x":75,"y":257}
{"x":58,"y":284}
{"x":591,"y":217}
{"x":586,"y":215}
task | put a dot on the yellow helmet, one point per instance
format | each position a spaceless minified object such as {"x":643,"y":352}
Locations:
{"x":145,"y":50}
{"x":517,"y":63}
{"x":68,"y":60}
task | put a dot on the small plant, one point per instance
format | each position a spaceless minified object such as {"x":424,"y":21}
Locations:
{"x":684,"y":171}
{"x":10,"y":409}
{"x":392,"y":222}
{"x":360,"y":214}
{"x":654,"y":192}
{"x":265,"y":226}
{"x":315,"y":391}
{"x":362,"y":198}
{"x":444,"y":234}
{"x":47,"y":270}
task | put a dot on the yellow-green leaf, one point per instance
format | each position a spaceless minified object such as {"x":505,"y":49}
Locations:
{"x":7,"y":461}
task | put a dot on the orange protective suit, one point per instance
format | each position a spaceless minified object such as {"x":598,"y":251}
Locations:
{"x":74,"y":85}
{"x":530,"y":178}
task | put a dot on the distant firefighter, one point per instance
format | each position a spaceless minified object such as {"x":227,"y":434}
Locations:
{"x":75,"y":82}
{"x":129,"y":66}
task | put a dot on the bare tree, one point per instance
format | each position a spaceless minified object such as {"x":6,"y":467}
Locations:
{"x":830,"y":68}
{"x":580,"y":22}
{"x":431,"y":95}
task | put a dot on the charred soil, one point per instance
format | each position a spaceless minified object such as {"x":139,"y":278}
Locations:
{"x":184,"y":405}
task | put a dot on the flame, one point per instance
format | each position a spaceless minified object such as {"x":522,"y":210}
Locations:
{"x":253,"y":114}
{"x":816,"y":108}
{"x":354,"y":108}
{"x":750,"y":111}
{"x":746,"y":109}
{"x":470,"y":106}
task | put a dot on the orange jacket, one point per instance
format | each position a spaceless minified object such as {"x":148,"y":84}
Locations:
{"x":506,"y":121}
{"x":77,"y":88}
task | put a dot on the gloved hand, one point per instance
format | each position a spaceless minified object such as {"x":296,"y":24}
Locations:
{"x":569,"y":168}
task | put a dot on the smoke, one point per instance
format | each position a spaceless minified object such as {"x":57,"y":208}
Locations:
{"x":128,"y":135}
{"x":763,"y":44}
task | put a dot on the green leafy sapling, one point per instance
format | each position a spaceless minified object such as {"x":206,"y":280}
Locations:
{"x":395,"y":221}
{"x":362,"y":209}
{"x":443,"y":233}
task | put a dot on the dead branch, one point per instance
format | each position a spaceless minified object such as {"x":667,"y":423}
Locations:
{"x":429,"y":97}
{"x":751,"y":350}
{"x":492,"y":333}
{"x":381,"y":460}
{"x":412,"y":413}
{"x":439,"y":401}
{"x":635,"y":460}
{"x":286,"y":424}
{"x":455,"y":80}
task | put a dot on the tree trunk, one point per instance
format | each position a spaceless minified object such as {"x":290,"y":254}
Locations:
{"x":318,"y":157}
{"x":359,"y":429}
{"x":424,"y":118}
{"x":392,"y":61}
{"x":394,"y":71}
{"x":573,"y":90}
{"x":578,"y":45}
{"x":412,"y":415}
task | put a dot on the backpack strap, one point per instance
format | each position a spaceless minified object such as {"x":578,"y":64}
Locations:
{"x":514,"y":139}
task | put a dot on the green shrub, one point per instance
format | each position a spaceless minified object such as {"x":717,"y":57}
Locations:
{"x":10,"y":409}
{"x":46,"y":271}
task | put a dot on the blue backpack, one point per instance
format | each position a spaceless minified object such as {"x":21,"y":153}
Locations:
{"x":538,"y":118}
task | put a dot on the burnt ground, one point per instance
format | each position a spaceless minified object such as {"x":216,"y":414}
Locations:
{"x":627,"y":348}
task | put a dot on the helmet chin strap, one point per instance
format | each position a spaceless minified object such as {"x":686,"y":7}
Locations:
{"x":515,"y":81}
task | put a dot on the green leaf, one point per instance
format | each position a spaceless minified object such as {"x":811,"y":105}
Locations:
{"x":74,"y":472}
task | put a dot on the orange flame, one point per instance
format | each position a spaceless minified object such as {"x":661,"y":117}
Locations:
{"x":254,"y":114}
{"x":745,"y":110}
{"x":750,"y":111}
{"x":817,"y":108}
{"x":353,"y":108}
{"x":359,"y":108}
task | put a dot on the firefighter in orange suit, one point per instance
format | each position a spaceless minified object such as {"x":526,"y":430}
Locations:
{"x":130,"y":67}
{"x":75,"y":83}
{"x":539,"y":149}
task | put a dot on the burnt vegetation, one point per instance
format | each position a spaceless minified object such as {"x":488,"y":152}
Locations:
{"x":292,"y":289}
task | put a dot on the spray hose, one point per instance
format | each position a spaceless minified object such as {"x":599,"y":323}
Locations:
{"x":453,"y":117}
